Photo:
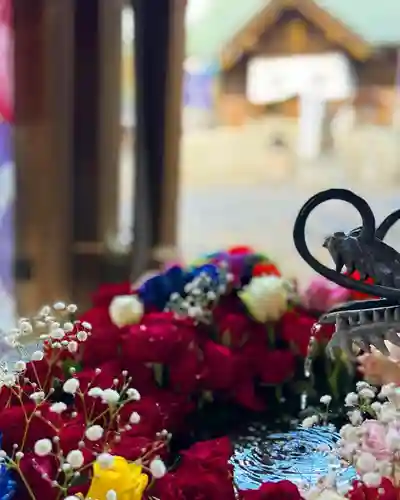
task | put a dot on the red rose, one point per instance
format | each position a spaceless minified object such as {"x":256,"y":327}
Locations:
{"x":240,"y":250}
{"x":236,"y":328}
{"x":104,"y":295}
{"x":151,"y":420}
{"x":142,"y":376}
{"x":212,"y":456}
{"x":43,"y":373}
{"x":104,"y":378}
{"x":203,"y":474}
{"x":220,"y":367}
{"x":134,"y":447}
{"x":282,"y":490}
{"x":34,"y":469}
{"x":324,"y":333}
{"x":174,"y":408}
{"x":276,"y":367}
{"x":159,"y":338}
{"x":182,"y":485}
{"x":185,"y":372}
{"x":386,"y":491}
{"x":265,"y":269}
{"x":245,"y":395}
{"x":13,"y":423}
{"x":296,"y":329}
{"x":103,"y":344}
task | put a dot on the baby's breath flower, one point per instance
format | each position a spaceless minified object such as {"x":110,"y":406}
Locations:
{"x":95,"y":392}
{"x":68,"y":327}
{"x":75,"y":458}
{"x":37,"y":396}
{"x":110,"y":396}
{"x":157,"y":468}
{"x":310,"y":421}
{"x":326,"y":400}
{"x":134,"y":418}
{"x":71,"y":385}
{"x":355,"y":417}
{"x":94,"y":432}
{"x":57,"y":333}
{"x":351,"y":399}
{"x":58,"y":407}
{"x":37,"y":356}
{"x":72,"y":346}
{"x":20,"y":366}
{"x":82,"y":336}
{"x":366,"y":393}
{"x":105,"y":460}
{"x":59,"y":306}
{"x":43,"y":447}
{"x":133,"y":394}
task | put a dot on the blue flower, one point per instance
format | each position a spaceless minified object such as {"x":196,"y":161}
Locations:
{"x":156,"y":292}
{"x":7,"y":484}
{"x":210,"y":270}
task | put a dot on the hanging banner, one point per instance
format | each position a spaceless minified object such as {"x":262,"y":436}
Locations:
{"x":7,"y":169}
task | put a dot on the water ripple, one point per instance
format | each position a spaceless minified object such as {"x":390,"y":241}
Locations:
{"x":299,"y":455}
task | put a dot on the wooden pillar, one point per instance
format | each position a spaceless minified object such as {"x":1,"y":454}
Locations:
{"x":115,"y":267}
{"x":43,"y":97}
{"x":97,"y":141}
{"x":159,"y":47}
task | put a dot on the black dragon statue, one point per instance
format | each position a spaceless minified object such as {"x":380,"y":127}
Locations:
{"x":363,"y":323}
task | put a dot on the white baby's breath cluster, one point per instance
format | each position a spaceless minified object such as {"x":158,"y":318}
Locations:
{"x":53,"y":327}
{"x":201,"y":293}
{"x":54,"y":330}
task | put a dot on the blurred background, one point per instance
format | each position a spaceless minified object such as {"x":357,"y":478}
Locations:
{"x":135,"y":133}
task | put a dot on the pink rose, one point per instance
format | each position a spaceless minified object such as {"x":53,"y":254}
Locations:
{"x":373,"y":440}
{"x":322,"y":295}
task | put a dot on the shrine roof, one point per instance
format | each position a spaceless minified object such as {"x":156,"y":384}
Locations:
{"x":376,"y":22}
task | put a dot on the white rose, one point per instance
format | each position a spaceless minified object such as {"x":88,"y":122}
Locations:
{"x":125,"y":310}
{"x":266,"y":298}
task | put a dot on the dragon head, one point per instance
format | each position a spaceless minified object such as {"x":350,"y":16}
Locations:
{"x":368,"y":322}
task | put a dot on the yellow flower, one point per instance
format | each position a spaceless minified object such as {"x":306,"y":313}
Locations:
{"x":126,"y":479}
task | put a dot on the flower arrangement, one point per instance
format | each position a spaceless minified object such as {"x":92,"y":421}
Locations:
{"x":370,"y":442}
{"x":92,"y":412}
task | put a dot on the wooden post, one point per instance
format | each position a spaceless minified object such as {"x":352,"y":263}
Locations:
{"x":43,"y":74}
{"x":114,"y":265}
{"x":159,"y":45}
{"x":173,"y":129}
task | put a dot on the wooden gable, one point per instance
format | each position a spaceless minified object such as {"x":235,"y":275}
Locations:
{"x":304,"y":27}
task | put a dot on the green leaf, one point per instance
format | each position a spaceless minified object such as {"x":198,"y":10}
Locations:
{"x":208,"y":396}
{"x":70,"y":363}
{"x":271,"y":335}
{"x":158,"y":370}
{"x":226,"y":338}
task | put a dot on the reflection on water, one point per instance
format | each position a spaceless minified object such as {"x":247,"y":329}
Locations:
{"x":299,"y":455}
